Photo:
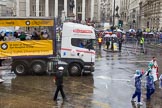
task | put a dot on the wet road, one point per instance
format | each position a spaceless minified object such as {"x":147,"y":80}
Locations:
{"x":110,"y":86}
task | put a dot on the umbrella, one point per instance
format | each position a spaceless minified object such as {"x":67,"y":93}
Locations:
{"x":106,"y":32}
{"x":17,"y":28}
{"x":151,"y":33}
{"x":1,"y":80}
{"x":145,"y":33}
{"x":123,"y":32}
{"x":132,"y":30}
{"x":113,"y":35}
{"x":118,"y":30}
{"x":107,"y":35}
{"x":6,"y":30}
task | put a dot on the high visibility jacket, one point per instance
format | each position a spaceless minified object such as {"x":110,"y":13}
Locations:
{"x":142,"y":40}
{"x":99,"y":40}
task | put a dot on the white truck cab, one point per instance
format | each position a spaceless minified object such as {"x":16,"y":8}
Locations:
{"x":77,"y":47}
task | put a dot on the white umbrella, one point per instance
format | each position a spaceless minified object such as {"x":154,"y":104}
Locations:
{"x":113,"y":35}
{"x":17,"y":28}
{"x":2,"y":30}
{"x":1,"y":80}
{"x":8,"y":30}
{"x":123,"y":32}
{"x":5,"y":30}
{"x":107,"y":35}
{"x":118,"y":30}
{"x":132,"y":30}
{"x":151,"y":33}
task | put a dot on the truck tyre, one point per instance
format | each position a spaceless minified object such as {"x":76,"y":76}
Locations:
{"x":20,"y":68}
{"x":38,"y":67}
{"x":75,"y":69}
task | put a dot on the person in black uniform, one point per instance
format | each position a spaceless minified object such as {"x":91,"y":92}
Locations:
{"x":112,"y":44}
{"x":59,"y":83}
{"x":108,"y":43}
{"x":120,"y":41}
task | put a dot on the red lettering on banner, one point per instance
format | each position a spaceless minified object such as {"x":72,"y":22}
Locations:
{"x":82,"y":31}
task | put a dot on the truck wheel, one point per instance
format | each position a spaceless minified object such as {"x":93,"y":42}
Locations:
{"x":38,"y":67}
{"x":75,"y":69}
{"x":20,"y":68}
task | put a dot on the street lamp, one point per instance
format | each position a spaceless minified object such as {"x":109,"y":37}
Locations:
{"x":114,"y":15}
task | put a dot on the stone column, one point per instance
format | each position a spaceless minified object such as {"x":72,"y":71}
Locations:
{"x":83,"y":10}
{"x":92,"y":10}
{"x":37,"y":8}
{"x":47,"y":8}
{"x":116,"y":21}
{"x":74,"y":10}
{"x":160,"y":17}
{"x":160,"y":23}
{"x":17,"y":8}
{"x":99,"y":10}
{"x":65,"y":7}
{"x":27,"y":8}
{"x":56,"y":8}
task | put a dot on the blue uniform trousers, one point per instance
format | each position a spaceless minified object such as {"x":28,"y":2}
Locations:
{"x":149,"y":93}
{"x":138,"y":94}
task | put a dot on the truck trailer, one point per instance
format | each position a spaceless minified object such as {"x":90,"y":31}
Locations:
{"x":38,"y":56}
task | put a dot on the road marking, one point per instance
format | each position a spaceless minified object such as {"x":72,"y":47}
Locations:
{"x":108,"y":78}
{"x":138,"y":61}
{"x":103,"y":77}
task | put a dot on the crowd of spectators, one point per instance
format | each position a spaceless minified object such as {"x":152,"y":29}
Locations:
{"x":17,"y":35}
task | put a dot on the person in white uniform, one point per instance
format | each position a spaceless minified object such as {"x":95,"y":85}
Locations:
{"x":154,"y":69}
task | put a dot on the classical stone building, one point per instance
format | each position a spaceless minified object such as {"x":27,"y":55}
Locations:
{"x":83,"y":9}
{"x":124,"y":13}
{"x":141,"y":14}
{"x":7,"y":8}
{"x":130,"y":14}
{"x":116,"y":11}
{"x":151,"y":14}
{"x":107,"y":11}
{"x":3,"y":9}
{"x":134,"y":14}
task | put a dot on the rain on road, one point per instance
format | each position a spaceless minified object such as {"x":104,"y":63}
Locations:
{"x":110,"y":86}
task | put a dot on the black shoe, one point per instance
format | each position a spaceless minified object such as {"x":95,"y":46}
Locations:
{"x":65,"y":99}
{"x":148,"y":100}
{"x":55,"y":99}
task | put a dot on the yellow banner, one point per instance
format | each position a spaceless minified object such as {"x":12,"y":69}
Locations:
{"x":26,"y":48}
{"x":26,"y":23}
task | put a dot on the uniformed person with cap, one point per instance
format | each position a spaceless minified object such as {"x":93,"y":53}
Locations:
{"x":58,"y":79}
{"x":138,"y":83}
{"x":150,"y":86}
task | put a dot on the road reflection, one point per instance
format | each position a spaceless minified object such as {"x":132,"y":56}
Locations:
{"x":37,"y":91}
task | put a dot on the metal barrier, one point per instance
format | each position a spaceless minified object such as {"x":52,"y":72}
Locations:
{"x":148,"y":40}
{"x":133,"y":44}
